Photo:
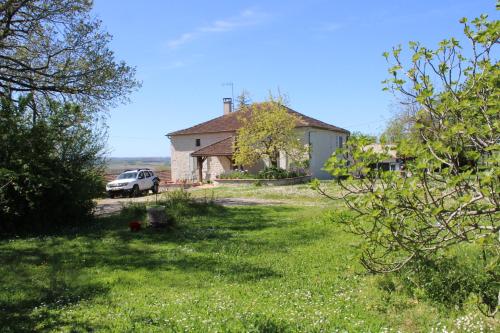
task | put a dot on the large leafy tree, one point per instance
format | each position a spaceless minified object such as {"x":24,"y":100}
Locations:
{"x":55,"y":50}
{"x":267,"y":129}
{"x":449,"y":192}
{"x":50,"y":171}
{"x":57,"y":74}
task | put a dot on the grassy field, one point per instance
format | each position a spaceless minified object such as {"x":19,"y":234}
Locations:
{"x":301,"y":194}
{"x":241,"y":269}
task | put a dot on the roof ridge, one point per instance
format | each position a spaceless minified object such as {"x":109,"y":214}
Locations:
{"x":231,"y":123}
{"x":203,"y":123}
{"x":317,"y":120}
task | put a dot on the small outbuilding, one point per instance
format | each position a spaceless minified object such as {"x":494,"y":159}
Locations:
{"x":392,"y":163}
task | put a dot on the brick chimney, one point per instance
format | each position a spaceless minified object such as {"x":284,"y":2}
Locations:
{"x":228,"y":105}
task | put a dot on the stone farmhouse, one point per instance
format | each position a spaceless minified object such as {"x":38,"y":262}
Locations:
{"x":204,"y":151}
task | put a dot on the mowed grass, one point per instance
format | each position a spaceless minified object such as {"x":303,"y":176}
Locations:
{"x":300,"y":194}
{"x":235,"y":269}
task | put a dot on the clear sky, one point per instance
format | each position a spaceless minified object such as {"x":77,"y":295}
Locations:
{"x":325,"y":54}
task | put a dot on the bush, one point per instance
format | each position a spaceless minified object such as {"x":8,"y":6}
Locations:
{"x":50,"y":171}
{"x":237,"y":174}
{"x":266,"y":173}
{"x":278,"y":173}
{"x":449,"y":280}
{"x":177,"y":204}
{"x":175,"y":197}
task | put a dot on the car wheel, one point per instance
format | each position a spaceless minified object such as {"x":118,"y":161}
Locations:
{"x":155,"y":188}
{"x":135,"y":191}
{"x":111,"y":195}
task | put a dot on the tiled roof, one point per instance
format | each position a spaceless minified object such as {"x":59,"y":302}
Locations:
{"x":306,"y":121}
{"x":230,"y":123}
{"x":223,"y":147}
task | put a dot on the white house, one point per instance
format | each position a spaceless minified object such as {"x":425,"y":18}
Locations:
{"x":205,"y":150}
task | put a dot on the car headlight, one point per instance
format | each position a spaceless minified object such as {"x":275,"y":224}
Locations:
{"x":122,"y":184}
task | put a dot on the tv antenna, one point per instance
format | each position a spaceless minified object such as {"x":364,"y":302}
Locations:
{"x":226,"y":84}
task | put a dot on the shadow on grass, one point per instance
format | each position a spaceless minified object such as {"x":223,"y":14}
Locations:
{"x":197,"y":223}
{"x":47,"y":274}
{"x":35,"y":284}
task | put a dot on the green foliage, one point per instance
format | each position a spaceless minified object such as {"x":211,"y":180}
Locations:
{"x":50,"y":140}
{"x":278,"y":173}
{"x":177,"y":196}
{"x":268,"y":130}
{"x":266,"y":173}
{"x":451,"y":280}
{"x":237,"y":174}
{"x":178,"y":204}
{"x":272,"y":173}
{"x":449,"y":190}
{"x":49,"y":172}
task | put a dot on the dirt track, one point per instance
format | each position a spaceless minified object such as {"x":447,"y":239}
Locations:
{"x":110,"y":206}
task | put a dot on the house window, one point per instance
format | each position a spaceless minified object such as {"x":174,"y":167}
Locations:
{"x":198,"y":142}
{"x":341,"y":141}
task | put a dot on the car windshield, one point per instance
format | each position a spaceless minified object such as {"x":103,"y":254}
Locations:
{"x":127,"y":175}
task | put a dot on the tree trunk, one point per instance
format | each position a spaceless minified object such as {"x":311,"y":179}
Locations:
{"x":273,"y":158}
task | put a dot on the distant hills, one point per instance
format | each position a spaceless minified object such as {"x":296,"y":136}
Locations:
{"x":165,"y":160}
{"x":118,"y":164}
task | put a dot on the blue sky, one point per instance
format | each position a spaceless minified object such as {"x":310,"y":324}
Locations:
{"x":325,"y":54}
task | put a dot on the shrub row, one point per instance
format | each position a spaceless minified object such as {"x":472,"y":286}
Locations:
{"x":266,"y":173}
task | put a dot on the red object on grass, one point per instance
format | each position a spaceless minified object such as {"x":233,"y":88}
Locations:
{"x":134,"y":226}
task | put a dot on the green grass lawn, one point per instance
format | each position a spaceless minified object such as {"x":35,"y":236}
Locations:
{"x":301,"y":194}
{"x":251,"y":269}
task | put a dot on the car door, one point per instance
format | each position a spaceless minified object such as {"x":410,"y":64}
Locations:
{"x":149,"y":179}
{"x":141,"y":180}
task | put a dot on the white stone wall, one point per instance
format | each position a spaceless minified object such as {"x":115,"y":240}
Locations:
{"x":323,"y":145}
{"x":214,"y":166}
{"x":184,"y":165}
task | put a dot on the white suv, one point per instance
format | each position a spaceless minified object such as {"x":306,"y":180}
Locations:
{"x":133,"y":183}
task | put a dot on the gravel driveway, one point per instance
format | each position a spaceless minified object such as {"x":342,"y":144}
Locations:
{"x":110,"y":206}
